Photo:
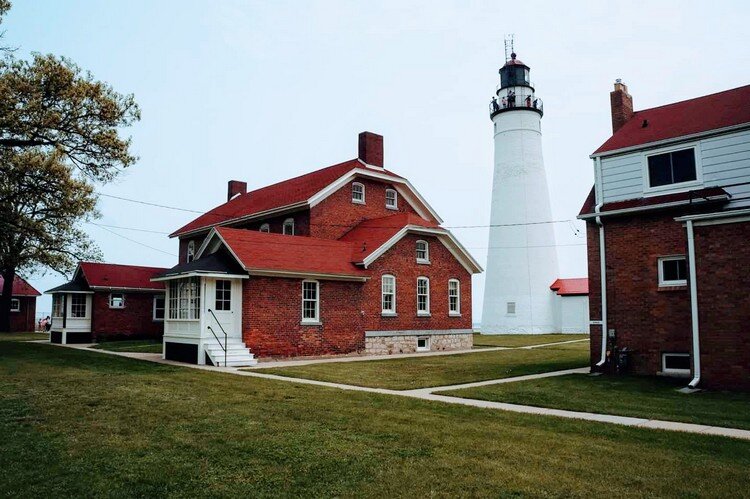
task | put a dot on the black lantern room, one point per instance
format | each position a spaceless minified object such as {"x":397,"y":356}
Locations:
{"x":514,"y":73}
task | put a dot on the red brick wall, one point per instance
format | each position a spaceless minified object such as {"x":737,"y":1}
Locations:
{"x":25,"y":319}
{"x":595,"y":291}
{"x":336,"y":215}
{"x":135,"y":320}
{"x":272,"y":311}
{"x":723,"y":281}
{"x":400,"y":261}
{"x":647,"y":319}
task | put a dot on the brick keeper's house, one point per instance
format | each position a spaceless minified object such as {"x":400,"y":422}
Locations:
{"x":668,"y":232}
{"x":348,"y":258}
{"x":22,"y":305}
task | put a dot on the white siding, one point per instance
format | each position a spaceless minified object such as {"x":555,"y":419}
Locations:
{"x":724,"y":160}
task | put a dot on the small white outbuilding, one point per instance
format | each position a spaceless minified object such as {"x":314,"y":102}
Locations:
{"x":571,"y":304}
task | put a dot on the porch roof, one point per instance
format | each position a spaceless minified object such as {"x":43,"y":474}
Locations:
{"x":215,"y":263}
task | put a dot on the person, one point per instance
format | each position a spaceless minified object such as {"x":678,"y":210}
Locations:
{"x":495,"y":107}
{"x":536,"y":103}
{"x":511,"y":98}
{"x":528,"y":101}
{"x":48,"y":326}
{"x":505,"y":102}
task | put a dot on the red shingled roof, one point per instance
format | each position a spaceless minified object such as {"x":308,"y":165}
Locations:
{"x":110,"y":275}
{"x":373,"y":233}
{"x":724,"y":109}
{"x":708,"y":194}
{"x":277,"y":252}
{"x":571,"y":287}
{"x":20,"y":287}
{"x":289,"y":192}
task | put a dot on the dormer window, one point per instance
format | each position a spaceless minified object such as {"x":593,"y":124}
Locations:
{"x":423,"y":252}
{"x":391,"y":199}
{"x":190,"y":253}
{"x":358,"y":193}
{"x":288,"y":228}
{"x":670,"y":168}
{"x":265,"y":228}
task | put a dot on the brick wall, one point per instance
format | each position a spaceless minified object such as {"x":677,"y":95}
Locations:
{"x":595,"y":291}
{"x":25,"y":319}
{"x":647,"y":319}
{"x":272,"y":312}
{"x":400,"y":261}
{"x":336,"y":215}
{"x":135,"y":320}
{"x":723,"y":281}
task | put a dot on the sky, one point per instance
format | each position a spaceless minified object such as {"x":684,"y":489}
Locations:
{"x":264,"y":91}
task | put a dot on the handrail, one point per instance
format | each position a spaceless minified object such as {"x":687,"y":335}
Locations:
{"x":516,"y":102}
{"x":226,"y":336}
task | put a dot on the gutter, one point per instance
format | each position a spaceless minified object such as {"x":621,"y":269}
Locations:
{"x":602,"y":262}
{"x":694,"y":307}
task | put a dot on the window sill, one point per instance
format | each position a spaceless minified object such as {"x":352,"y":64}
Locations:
{"x":310,"y":323}
{"x":394,"y":208}
{"x":676,"y":287}
{"x":649,"y":191}
{"x":454,"y":315}
{"x":424,"y":314}
{"x":358,"y":202}
{"x":117,"y":308}
{"x":388,"y":314}
{"x":423,"y":262}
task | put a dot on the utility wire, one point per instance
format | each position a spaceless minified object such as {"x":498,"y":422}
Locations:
{"x":133,"y":240}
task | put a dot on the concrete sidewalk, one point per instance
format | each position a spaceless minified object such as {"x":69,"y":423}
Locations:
{"x":428,"y":394}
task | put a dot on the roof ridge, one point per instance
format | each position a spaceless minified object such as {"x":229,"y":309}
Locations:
{"x":293,"y":178}
{"x":689,"y":100}
{"x":291,"y":239}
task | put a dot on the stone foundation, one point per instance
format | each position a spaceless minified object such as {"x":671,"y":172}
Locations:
{"x":379,"y":344}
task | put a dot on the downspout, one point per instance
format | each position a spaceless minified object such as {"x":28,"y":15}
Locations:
{"x":694,"y":307}
{"x":602,"y":258}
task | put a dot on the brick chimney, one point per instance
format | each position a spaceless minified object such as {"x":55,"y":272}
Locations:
{"x":235,"y":187}
{"x":622,"y":105}
{"x":371,"y":148}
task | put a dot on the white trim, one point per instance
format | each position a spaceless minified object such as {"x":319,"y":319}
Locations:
{"x":190,"y":251}
{"x":695,"y":326}
{"x":704,"y":218}
{"x":287,"y":222}
{"x":652,"y":207}
{"x":678,"y":372}
{"x":367,"y":165}
{"x":109,"y":301}
{"x":311,"y":320}
{"x":69,"y":292}
{"x":390,"y":311}
{"x":116,"y":288}
{"x":17,"y":308}
{"x":425,"y":348}
{"x":425,"y":260}
{"x":671,"y":258}
{"x":426,"y":312}
{"x":692,"y":136}
{"x":364,"y":198}
{"x":457,"y":312}
{"x":394,"y":206}
{"x":215,"y":275}
{"x":153,"y":308}
{"x":675,"y":187}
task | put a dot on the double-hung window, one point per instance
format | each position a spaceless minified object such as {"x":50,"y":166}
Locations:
{"x":672,"y":271}
{"x":391,"y":199}
{"x":454,"y":297}
{"x":15,"y":305}
{"x":78,"y":306}
{"x":673,"y":167}
{"x":310,"y":302}
{"x":423,"y":252}
{"x":423,"y":296}
{"x":158,"y":314}
{"x":223,"y":294}
{"x":116,"y":300}
{"x":388,"y":294}
{"x":57,"y":305}
{"x":358,"y":193}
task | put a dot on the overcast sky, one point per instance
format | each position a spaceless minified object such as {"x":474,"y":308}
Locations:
{"x":263,"y":91}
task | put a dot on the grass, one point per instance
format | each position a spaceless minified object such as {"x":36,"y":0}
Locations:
{"x":143,"y":346}
{"x":83,"y":424}
{"x":422,"y":372}
{"x":23,"y":336}
{"x":522,"y":340}
{"x":644,"y":397}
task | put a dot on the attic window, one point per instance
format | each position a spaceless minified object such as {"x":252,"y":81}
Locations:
{"x":265,"y":228}
{"x":673,"y":167}
{"x":288,"y":228}
{"x":190,"y":252}
{"x":358,"y":193}
{"x":391,"y":199}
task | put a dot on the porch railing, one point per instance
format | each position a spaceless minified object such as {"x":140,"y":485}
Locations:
{"x":226,"y":336}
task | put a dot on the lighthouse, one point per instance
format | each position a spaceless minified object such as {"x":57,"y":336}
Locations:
{"x":522,"y":258}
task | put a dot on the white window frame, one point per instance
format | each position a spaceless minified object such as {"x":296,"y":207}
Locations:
{"x":679,"y":187}
{"x":426,"y":311}
{"x":265,"y":228}
{"x":57,"y":306}
{"x":676,"y":372}
{"x":383,"y":310}
{"x":122,"y":295}
{"x":184,"y":299}
{"x":155,"y":308}
{"x":457,"y":311}
{"x":190,"y":252}
{"x":508,"y":307}
{"x":393,"y":206}
{"x":17,"y":307}
{"x":668,"y":284}
{"x":425,"y":348}
{"x":426,"y":259}
{"x":354,"y":199}
{"x":85,"y":306}
{"x":311,"y":320}
{"x":223,"y":298}
{"x":289,"y":222}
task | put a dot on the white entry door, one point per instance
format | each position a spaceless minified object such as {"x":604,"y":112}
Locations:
{"x":224,"y":303}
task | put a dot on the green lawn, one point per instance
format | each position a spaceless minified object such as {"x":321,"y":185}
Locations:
{"x":23,"y":336}
{"x":143,"y":346}
{"x":421,"y":372}
{"x":76,"y":423}
{"x":522,"y":340}
{"x":645,"y":397}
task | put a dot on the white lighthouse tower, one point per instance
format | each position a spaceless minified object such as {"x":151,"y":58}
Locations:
{"x":522,"y":258}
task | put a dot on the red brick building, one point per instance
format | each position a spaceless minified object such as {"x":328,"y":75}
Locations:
{"x":348,"y":258}
{"x":668,"y":226}
{"x":22,"y":305}
{"x":108,"y":301}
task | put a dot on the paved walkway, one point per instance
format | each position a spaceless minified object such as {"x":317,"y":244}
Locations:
{"x":429,"y":394}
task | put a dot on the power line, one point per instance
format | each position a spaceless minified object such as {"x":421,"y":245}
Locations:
{"x":130,"y":228}
{"x":133,"y":240}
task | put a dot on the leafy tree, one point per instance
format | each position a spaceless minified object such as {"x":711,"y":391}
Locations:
{"x":59,"y":133}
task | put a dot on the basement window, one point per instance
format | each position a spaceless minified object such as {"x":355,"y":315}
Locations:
{"x":672,"y":271}
{"x":677,"y":364}
{"x":15,"y":305}
{"x":116,"y":300}
{"x":423,"y":344}
{"x":675,"y":167}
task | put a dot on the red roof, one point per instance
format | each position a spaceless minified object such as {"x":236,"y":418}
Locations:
{"x":289,"y":192}
{"x":373,"y":233}
{"x":277,"y":252}
{"x":710,"y":112}
{"x":20,"y":287}
{"x":709,"y":194}
{"x":110,"y":275}
{"x":571,"y":287}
